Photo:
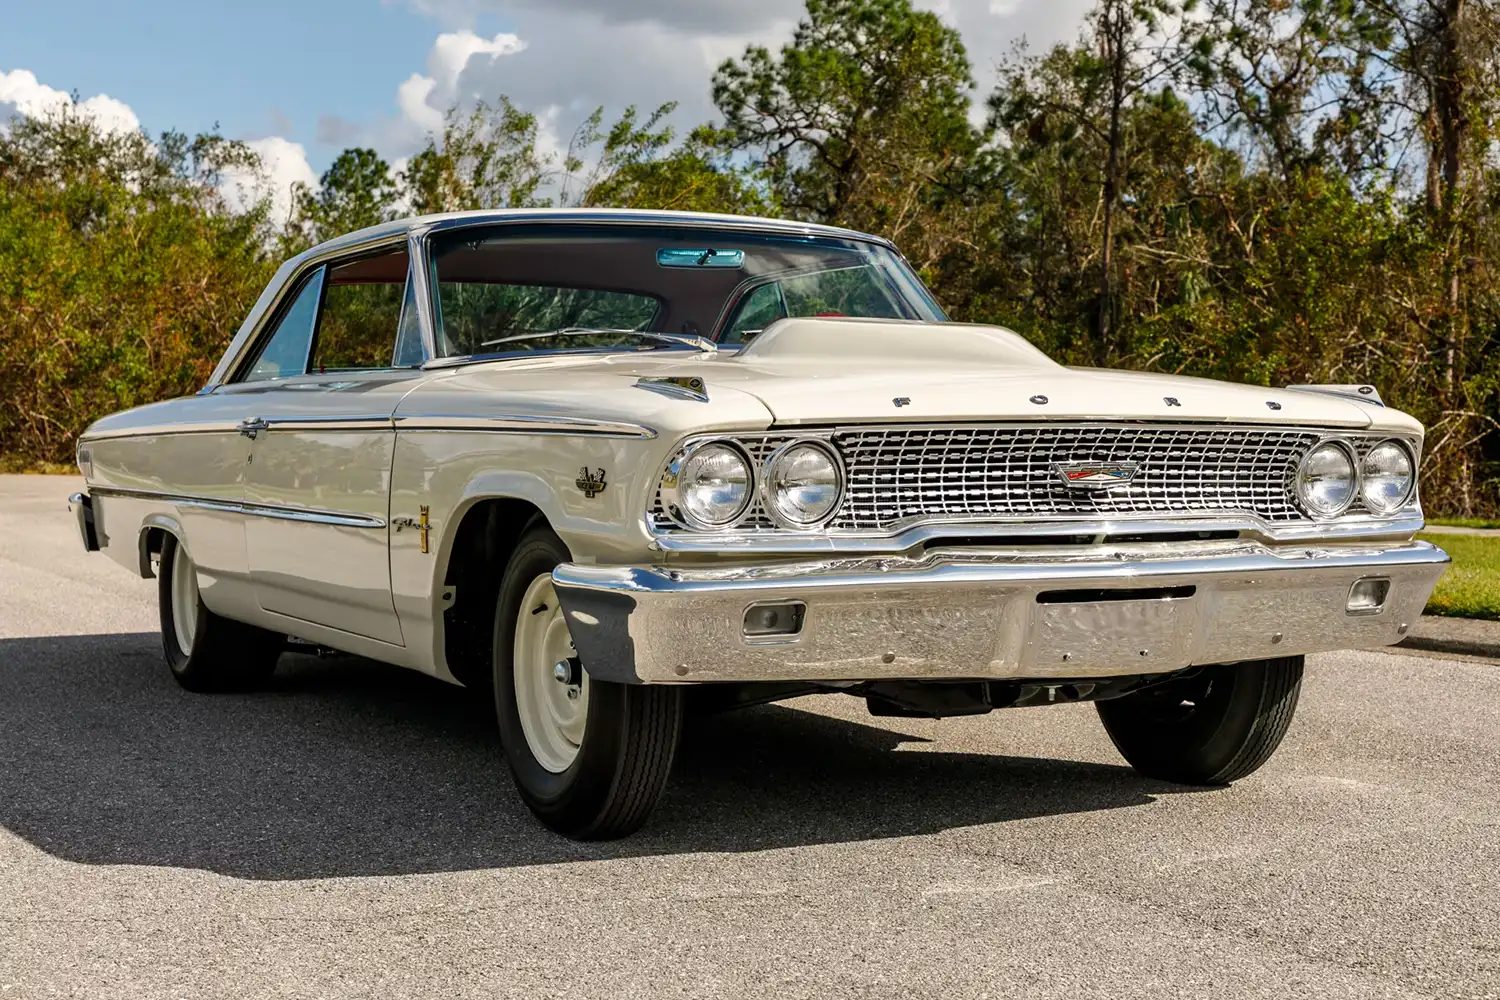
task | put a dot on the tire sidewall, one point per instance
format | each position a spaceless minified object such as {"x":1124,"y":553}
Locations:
{"x":592,"y":772}
{"x":179,"y":660}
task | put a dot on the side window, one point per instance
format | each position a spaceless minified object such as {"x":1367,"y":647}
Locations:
{"x":285,"y":353}
{"x":361,"y":314}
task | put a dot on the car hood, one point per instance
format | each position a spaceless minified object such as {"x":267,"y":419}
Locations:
{"x":822,"y":372}
{"x":831,"y":371}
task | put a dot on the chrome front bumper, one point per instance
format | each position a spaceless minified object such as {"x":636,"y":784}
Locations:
{"x":995,"y":614}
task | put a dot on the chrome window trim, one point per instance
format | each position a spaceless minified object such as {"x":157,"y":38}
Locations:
{"x":246,"y":507}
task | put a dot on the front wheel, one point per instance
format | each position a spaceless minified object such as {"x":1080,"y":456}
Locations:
{"x":205,"y":651}
{"x":590,"y":758}
{"x":1211,"y":727}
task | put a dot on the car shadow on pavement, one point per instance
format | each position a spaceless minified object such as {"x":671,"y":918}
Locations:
{"x":344,"y":767}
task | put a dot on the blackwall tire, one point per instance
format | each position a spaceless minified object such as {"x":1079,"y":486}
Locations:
{"x":1211,"y":728}
{"x":590,"y":766}
{"x":205,"y":651}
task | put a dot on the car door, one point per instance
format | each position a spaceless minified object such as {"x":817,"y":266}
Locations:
{"x":317,"y":485}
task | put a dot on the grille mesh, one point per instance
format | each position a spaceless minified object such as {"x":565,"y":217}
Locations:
{"x":901,"y":474}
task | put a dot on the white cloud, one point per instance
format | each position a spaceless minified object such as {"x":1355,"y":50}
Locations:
{"x":283,"y":165}
{"x":24,"y":94}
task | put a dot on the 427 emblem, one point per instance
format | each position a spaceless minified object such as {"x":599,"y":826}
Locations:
{"x":592,"y":484}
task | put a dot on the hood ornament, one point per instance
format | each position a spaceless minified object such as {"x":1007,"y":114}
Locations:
{"x":1095,"y":475}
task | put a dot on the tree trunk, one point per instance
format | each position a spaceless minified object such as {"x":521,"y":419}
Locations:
{"x":1115,"y":20}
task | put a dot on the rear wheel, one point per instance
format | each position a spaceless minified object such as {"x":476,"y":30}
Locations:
{"x":590,"y":758}
{"x":1210,"y":728}
{"x":205,"y":651}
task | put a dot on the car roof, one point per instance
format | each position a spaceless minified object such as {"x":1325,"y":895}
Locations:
{"x":596,"y":216}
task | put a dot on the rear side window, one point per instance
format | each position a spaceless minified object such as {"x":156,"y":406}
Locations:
{"x":285,"y":353}
{"x":361,"y":316}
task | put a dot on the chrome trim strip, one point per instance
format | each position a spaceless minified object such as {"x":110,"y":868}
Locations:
{"x":420,"y":276}
{"x":516,"y":423}
{"x":1349,"y":529}
{"x":245,"y":507}
{"x":1125,"y":565}
{"x":165,"y":430}
{"x":362,"y":422}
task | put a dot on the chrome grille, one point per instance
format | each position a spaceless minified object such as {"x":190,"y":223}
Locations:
{"x":899,"y":474}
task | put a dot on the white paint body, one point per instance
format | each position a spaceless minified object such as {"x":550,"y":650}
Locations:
{"x":357,"y":454}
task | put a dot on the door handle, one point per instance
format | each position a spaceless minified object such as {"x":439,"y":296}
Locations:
{"x":252,"y":427}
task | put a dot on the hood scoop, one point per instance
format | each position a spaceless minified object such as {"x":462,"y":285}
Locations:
{"x":902,"y":343}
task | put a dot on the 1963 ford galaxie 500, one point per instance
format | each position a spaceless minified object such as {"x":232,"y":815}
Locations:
{"x":606,"y":465}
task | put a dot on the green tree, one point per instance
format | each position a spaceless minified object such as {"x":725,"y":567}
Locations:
{"x":123,"y":274}
{"x":357,"y":191}
{"x":862,"y":119}
{"x":486,"y":157}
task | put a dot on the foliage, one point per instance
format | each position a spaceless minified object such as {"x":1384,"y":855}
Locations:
{"x":1270,"y":191}
{"x":1471,"y":587}
{"x":122,"y":274}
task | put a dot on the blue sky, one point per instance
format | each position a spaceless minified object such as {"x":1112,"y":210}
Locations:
{"x":302,"y":79}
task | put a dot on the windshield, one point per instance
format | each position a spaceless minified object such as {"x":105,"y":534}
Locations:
{"x":525,"y":288}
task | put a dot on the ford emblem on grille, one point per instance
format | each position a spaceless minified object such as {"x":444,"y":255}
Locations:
{"x":1095,"y":475}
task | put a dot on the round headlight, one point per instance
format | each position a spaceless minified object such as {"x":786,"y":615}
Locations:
{"x":1386,"y":477}
{"x":803,"y":485}
{"x":714,"y":485}
{"x":1325,"y":480}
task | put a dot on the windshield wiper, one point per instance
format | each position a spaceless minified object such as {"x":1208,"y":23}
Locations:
{"x":686,"y":340}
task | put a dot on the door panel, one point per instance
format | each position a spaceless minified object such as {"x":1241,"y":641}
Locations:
{"x":317,"y":499}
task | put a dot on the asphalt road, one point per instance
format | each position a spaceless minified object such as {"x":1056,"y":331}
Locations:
{"x":351,"y":832}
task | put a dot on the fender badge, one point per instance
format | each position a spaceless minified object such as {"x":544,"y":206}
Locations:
{"x":591,"y":485}
{"x":901,"y":401}
{"x":1095,"y":475}
{"x":1171,"y":400}
{"x":1273,"y":404}
{"x":1039,"y":400}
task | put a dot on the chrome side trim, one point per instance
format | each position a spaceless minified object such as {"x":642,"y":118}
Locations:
{"x":204,"y":427}
{"x":516,"y":423}
{"x":247,"y":508}
{"x":670,"y":538}
{"x":364,"y":422}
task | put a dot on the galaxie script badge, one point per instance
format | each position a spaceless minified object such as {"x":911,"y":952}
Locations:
{"x":1095,"y":475}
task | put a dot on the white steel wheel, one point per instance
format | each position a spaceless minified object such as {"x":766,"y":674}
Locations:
{"x":184,"y":601}
{"x":552,"y":689}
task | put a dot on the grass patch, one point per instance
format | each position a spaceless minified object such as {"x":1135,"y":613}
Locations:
{"x":11,"y":464}
{"x":1471,"y":587}
{"x":1465,"y":522}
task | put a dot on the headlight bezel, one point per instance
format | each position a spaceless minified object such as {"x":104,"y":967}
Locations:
{"x":1407,"y":496}
{"x":767,"y":491}
{"x":1351,"y":454}
{"x":672,"y":478}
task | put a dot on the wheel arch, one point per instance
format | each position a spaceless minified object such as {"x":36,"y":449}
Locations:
{"x":477,"y":551}
{"x":152,"y":536}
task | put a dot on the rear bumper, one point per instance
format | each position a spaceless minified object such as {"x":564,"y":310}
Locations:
{"x":82,"y":506}
{"x":993,"y":614}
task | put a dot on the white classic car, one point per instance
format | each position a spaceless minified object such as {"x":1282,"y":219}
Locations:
{"x":595,"y":462}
